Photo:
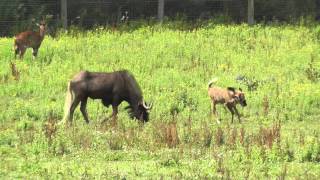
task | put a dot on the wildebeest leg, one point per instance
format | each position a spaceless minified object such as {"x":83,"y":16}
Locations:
{"x":230,"y":107}
{"x":34,"y":52}
{"x":83,"y":109}
{"x":22,"y":51}
{"x":114,"y":115}
{"x":114,"y":111}
{"x":237,"y":113}
{"x":75,"y":103}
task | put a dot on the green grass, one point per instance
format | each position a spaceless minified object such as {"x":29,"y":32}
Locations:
{"x":173,"y":68}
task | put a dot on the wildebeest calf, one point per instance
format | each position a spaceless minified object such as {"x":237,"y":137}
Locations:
{"x":229,"y":97}
{"x":112,"y":88}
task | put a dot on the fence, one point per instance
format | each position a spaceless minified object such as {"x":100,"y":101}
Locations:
{"x":20,"y":14}
{"x":24,"y":14}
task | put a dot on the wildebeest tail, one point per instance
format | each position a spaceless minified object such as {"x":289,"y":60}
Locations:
{"x":68,"y":103}
{"x":213,"y":81}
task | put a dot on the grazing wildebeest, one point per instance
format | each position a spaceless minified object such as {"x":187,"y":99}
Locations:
{"x":112,"y":88}
{"x":229,"y":97}
{"x":29,"y":39}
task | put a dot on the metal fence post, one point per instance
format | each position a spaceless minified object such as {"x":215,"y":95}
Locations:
{"x":160,"y":10}
{"x":250,"y":12}
{"x":64,"y":13}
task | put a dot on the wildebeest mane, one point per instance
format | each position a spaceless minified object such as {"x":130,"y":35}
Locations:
{"x":130,"y":111}
{"x":132,"y":84}
{"x":135,"y":90}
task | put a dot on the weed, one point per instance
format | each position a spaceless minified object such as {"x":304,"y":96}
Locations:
{"x":187,"y":130}
{"x":301,"y":138}
{"x":206,"y":135}
{"x":312,"y":73}
{"x":115,"y":141}
{"x":172,"y":159}
{"x":4,"y":78}
{"x":233,"y":137}
{"x":242,"y":136}
{"x":219,"y":137}
{"x":265,"y":105}
{"x":267,"y":136}
{"x":288,"y":152}
{"x":167,"y":133}
{"x":50,"y":128}
{"x":14,"y":71}
{"x":283,"y":173}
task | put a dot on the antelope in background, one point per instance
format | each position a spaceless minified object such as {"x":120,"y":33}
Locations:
{"x":29,"y":39}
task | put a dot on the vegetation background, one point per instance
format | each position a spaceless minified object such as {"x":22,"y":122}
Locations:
{"x":276,"y":65}
{"x":18,"y":15}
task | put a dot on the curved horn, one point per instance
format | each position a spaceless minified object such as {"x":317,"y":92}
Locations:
{"x":145,"y":105}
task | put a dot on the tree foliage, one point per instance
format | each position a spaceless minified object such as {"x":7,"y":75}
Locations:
{"x":21,"y":14}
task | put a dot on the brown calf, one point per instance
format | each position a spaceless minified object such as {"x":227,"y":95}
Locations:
{"x":229,"y":97}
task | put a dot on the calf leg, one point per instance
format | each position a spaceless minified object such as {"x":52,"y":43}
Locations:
{"x":237,"y":113}
{"x":230,"y":107}
{"x":83,"y":109}
{"x":214,"y":111}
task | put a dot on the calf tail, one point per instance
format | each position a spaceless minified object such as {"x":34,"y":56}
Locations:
{"x":213,"y":81}
{"x":68,"y":103}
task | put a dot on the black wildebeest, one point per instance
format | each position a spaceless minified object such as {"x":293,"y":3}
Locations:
{"x":112,"y":88}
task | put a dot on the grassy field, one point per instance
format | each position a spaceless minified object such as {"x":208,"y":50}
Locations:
{"x":278,"y":138}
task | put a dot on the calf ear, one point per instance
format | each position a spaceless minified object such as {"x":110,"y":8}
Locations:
{"x":240,"y":89}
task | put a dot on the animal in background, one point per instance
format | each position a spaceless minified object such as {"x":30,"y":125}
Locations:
{"x":112,"y":88}
{"x":229,"y":97}
{"x":29,"y":39}
{"x":125,"y":17}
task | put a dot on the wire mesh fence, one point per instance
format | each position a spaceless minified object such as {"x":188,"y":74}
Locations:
{"x":19,"y":15}
{"x":16,"y":15}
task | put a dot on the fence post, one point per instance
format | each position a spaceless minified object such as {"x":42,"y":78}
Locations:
{"x":250,"y":12}
{"x":160,"y":10}
{"x":64,"y":13}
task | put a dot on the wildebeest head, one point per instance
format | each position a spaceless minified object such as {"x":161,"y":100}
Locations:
{"x":141,"y":112}
{"x":240,"y":98}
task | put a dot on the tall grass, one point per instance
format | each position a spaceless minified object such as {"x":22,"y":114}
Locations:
{"x":172,"y":68}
